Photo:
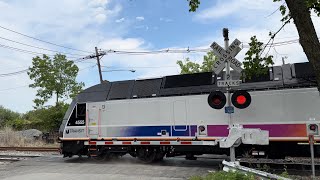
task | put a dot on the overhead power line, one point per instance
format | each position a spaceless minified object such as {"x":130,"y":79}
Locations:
{"x":18,"y":87}
{"x":13,"y":73}
{"x":39,"y":47}
{"x":25,"y":70}
{"x":188,"y":50}
{"x":29,"y":52}
{"x":14,"y":88}
{"x":142,"y":67}
{"x":155,"y":51}
{"x":54,"y":44}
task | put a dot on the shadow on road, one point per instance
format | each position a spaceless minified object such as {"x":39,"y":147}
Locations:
{"x":176,"y":161}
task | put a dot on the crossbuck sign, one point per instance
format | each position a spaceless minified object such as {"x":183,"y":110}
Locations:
{"x":226,"y":55}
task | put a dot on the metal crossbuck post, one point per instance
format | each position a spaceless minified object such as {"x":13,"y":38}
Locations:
{"x":226,"y":59}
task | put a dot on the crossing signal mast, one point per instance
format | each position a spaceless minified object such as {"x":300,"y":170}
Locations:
{"x":240,"y":99}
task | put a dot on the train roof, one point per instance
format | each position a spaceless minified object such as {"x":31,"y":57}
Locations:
{"x":279,"y":77}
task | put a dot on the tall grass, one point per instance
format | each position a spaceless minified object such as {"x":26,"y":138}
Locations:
{"x":10,"y":138}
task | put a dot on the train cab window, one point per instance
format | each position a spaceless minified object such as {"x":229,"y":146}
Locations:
{"x":81,"y":110}
{"x":78,"y":116}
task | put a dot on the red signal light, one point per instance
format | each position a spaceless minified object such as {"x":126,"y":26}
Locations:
{"x":241,"y":99}
{"x":217,"y":99}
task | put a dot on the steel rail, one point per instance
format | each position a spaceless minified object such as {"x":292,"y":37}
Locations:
{"x":37,"y":149}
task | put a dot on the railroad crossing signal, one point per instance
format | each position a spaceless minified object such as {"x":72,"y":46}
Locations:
{"x":217,"y":100}
{"x":240,"y":99}
{"x":226,"y":55}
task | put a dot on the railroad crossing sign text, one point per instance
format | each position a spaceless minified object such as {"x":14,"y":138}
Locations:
{"x":226,"y":55}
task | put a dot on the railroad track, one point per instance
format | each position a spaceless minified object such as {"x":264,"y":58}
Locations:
{"x":36,"y":149}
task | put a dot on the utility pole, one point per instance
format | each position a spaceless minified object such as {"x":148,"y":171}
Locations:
{"x":99,"y":67}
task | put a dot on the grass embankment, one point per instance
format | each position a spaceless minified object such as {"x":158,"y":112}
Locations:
{"x":222,"y":175}
{"x":11,"y":138}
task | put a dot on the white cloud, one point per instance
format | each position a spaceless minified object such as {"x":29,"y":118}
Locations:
{"x":140,"y":18}
{"x":73,"y":23}
{"x":84,"y":24}
{"x":122,"y":44}
{"x":246,"y":18}
{"x":120,"y":20}
{"x":98,"y":3}
{"x":240,"y":8}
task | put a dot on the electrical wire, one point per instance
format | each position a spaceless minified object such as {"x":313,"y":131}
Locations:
{"x":26,"y":70}
{"x":18,"y":87}
{"x":156,"y":51}
{"x":39,"y":47}
{"x":34,"y":38}
{"x":27,"y":51}
{"x":143,"y":67}
{"x":13,"y":73}
{"x":14,"y":88}
{"x":112,"y":51}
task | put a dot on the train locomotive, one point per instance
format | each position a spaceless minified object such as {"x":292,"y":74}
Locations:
{"x":170,"y":116}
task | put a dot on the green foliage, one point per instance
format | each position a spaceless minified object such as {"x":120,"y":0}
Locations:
{"x":311,"y":4}
{"x":18,"y":124}
{"x":225,"y":176}
{"x":193,"y":4}
{"x":44,"y":119}
{"x":254,"y":64}
{"x":314,"y":5}
{"x":189,"y":67}
{"x":285,"y":173}
{"x":57,"y":76}
{"x":6,"y":115}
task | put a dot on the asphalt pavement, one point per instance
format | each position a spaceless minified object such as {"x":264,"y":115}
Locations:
{"x":54,"y":167}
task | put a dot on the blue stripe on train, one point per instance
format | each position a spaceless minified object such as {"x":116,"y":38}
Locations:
{"x":155,"y":130}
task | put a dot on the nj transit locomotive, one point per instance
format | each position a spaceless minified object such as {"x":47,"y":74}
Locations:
{"x":170,"y":116}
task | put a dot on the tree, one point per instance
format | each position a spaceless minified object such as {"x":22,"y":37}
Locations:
{"x":7,"y":115}
{"x":46,"y":119}
{"x":254,"y":64}
{"x":57,"y":76}
{"x":189,"y":67}
{"x":299,"y":11}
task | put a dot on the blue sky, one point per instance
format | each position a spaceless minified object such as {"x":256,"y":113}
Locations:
{"x":131,"y":25}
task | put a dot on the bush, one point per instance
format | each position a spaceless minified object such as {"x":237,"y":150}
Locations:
{"x":18,"y":124}
{"x":44,"y":119}
{"x":7,"y":115}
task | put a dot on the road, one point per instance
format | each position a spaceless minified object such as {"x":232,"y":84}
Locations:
{"x":55,"y":167}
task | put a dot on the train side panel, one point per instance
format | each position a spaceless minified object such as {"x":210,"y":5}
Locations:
{"x":282,"y":112}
